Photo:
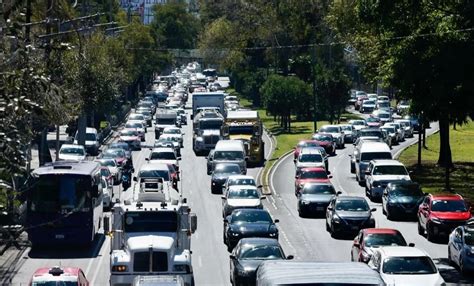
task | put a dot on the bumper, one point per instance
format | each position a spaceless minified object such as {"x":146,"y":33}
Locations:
{"x":127,"y":279}
{"x":444,"y":228}
{"x":402,"y":210}
{"x":376,"y":192}
{"x":350,"y":228}
{"x":233,"y":240}
{"x":203,"y":147}
{"x":313,"y":208}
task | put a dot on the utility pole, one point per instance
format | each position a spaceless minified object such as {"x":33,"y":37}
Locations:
{"x":420,"y":128}
{"x":315,"y":89}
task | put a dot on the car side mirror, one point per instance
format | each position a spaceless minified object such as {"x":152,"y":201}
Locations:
{"x":147,"y":159}
{"x":330,"y":176}
{"x":330,"y":208}
{"x":338,"y":193}
{"x":263,"y":198}
{"x":367,"y":172}
{"x":179,"y":158}
{"x":411,"y":244}
{"x":135,"y":179}
{"x":276,"y":220}
{"x":294,"y":161}
{"x":224,"y":198}
{"x":225,"y":220}
{"x":290,"y":257}
{"x":259,"y":186}
{"x":385,"y":193}
{"x":356,"y":244}
{"x":232,"y":257}
{"x":373,"y":210}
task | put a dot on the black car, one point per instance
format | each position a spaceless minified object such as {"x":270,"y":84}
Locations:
{"x":401,"y":199}
{"x":124,"y":146}
{"x":314,"y":198}
{"x":248,"y":254}
{"x":220,"y":174}
{"x":248,"y":223}
{"x":347,"y":214}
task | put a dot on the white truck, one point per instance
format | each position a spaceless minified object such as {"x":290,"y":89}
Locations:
{"x":165,"y":118}
{"x":208,"y":100}
{"x":152,"y":236}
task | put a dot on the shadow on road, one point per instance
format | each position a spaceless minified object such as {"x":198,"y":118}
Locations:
{"x":451,"y":274}
{"x":63,"y":252}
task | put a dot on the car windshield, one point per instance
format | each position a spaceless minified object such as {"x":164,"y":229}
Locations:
{"x":308,"y":144}
{"x":151,"y":221}
{"x":404,"y":123}
{"x":371,"y":133}
{"x":162,"y":156}
{"x":305,"y":158}
{"x":113,"y":153}
{"x":72,"y":151}
{"x":251,"y":216}
{"x":319,"y":189}
{"x":321,"y":174}
{"x":346,"y":127}
{"x":241,"y":182}
{"x":144,"y":112}
{"x":154,"y":174}
{"x":448,"y":206}
{"x":210,"y":124}
{"x":165,"y":121}
{"x":55,"y":282}
{"x":123,"y":146}
{"x":134,"y":125}
{"x":128,"y":133}
{"x":328,"y":129}
{"x":352,"y":205}
{"x":390,"y":170}
{"x":384,"y":115}
{"x":384,"y":239}
{"x":407,"y":190}
{"x":136,"y":117}
{"x":243,"y":194}
{"x":227,"y":169}
{"x":469,"y":236}
{"x":373,"y":119}
{"x":263,"y":252}
{"x":108,"y":163}
{"x":389,"y":129}
{"x":105,"y":172}
{"x":369,"y":102}
{"x":320,"y":137}
{"x":228,"y":155}
{"x":384,"y":104}
{"x":172,"y":131}
{"x":241,"y":129}
{"x":358,"y":122}
{"x":367,"y":156}
{"x":409,"y":265}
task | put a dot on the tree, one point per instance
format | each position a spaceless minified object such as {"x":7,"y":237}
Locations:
{"x":283,"y":96}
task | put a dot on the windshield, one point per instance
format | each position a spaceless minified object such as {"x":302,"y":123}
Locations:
{"x":241,"y":182}
{"x":390,"y":170}
{"x":371,"y":133}
{"x":319,"y":189}
{"x":55,"y":283}
{"x":448,"y":206}
{"x":308,"y":144}
{"x":358,"y":122}
{"x":155,"y":174}
{"x":346,"y":127}
{"x":251,"y":216}
{"x":352,"y":205}
{"x":123,"y":146}
{"x":162,"y":221}
{"x":134,"y":125}
{"x":165,"y":121}
{"x":227,"y":169}
{"x":228,"y":155}
{"x":52,"y":193}
{"x":136,"y":117}
{"x":128,"y":133}
{"x":329,"y":130}
{"x":108,"y":163}
{"x":384,"y":104}
{"x":74,"y":151}
{"x":369,"y":102}
{"x":407,"y":190}
{"x":144,"y":112}
{"x":320,"y":137}
{"x":113,"y":153}
{"x":210,"y":124}
{"x":384,"y":239}
{"x":384,"y":115}
{"x":469,"y":236}
{"x":241,"y":130}
{"x":313,"y":175}
{"x":243,"y":194}
{"x":373,"y":119}
{"x":375,"y":155}
{"x":162,"y":156}
{"x":409,"y":265}
{"x":172,"y":131}
{"x":264,"y":252}
{"x":317,"y":158}
{"x":389,"y":129}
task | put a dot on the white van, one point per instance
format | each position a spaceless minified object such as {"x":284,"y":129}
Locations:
{"x":227,"y":151}
{"x":92,"y":141}
{"x":369,"y":151}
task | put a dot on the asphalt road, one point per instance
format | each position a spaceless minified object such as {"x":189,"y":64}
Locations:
{"x":308,"y":239}
{"x":210,"y":256}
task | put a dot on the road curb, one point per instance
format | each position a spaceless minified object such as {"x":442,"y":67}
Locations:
{"x":262,"y":176}
{"x":269,"y":185}
{"x":399,"y":152}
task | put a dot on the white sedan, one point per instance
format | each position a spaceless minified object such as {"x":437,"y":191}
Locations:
{"x":72,"y":152}
{"x":176,"y":132}
{"x":239,"y":196}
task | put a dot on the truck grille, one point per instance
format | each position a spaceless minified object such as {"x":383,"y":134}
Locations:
{"x":159,"y":261}
{"x":212,"y":139}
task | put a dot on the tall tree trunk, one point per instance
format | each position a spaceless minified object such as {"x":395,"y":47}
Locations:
{"x":289,"y":122}
{"x":445,"y":158}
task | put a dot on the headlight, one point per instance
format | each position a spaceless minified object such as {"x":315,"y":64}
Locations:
{"x":181,"y":268}
{"x":119,"y":268}
{"x":235,"y":234}
{"x":273,"y":234}
{"x":336,"y":219}
{"x":199,"y":139}
{"x":376,"y":184}
{"x":436,"y":220}
{"x":305,"y":202}
{"x":470,"y":251}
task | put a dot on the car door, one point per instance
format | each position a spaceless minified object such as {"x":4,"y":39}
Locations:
{"x":356,"y":246}
{"x":368,"y":176}
{"x":457,"y":244}
{"x":329,"y":212}
{"x":424,"y":211}
{"x":210,"y":158}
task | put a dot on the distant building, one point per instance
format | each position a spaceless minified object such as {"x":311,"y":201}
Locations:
{"x":144,"y":8}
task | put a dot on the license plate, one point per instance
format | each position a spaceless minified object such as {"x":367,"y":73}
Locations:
{"x":59,"y":236}
{"x":319,"y":209}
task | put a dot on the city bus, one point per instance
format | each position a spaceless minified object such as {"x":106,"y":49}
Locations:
{"x":64,"y":203}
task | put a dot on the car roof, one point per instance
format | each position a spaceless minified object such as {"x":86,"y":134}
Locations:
{"x":310,"y":150}
{"x":248,"y":210}
{"x":68,"y":271}
{"x":323,"y":133}
{"x":380,"y":231}
{"x":401,"y":251}
{"x":329,"y":125}
{"x":448,"y":197}
{"x":229,"y":144}
{"x":385,"y":162}
{"x":220,"y":165}
{"x":162,"y":149}
{"x":72,"y":146}
{"x":68,"y":167}
{"x":259,"y":241}
{"x":91,"y":130}
{"x":369,"y":147}
{"x":154,"y":166}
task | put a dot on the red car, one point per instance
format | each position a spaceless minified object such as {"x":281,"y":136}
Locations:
{"x":373,"y":122}
{"x":370,"y":238}
{"x":68,"y":276}
{"x":438,"y":215}
{"x":304,"y":143}
{"x":327,"y":141}
{"x":310,"y":175}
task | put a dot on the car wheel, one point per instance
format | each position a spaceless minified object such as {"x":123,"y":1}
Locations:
{"x":352,"y":168}
{"x":389,"y":216}
{"x":328,"y":229}
{"x":334,"y":234}
{"x":450,"y":260}
{"x":421,"y":231}
{"x":301,"y":213}
{"x":383,"y":210}
{"x":429,"y":234}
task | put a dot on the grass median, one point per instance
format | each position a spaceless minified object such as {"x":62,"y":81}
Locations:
{"x":431,"y":176}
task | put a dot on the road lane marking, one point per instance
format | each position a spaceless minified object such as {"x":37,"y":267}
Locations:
{"x":99,"y":264}
{"x":275,"y":167}
{"x":200,"y":261}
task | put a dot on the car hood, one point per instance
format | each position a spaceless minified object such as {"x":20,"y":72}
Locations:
{"x":303,"y":181}
{"x":71,"y":157}
{"x":351,"y":214}
{"x":452,"y":215}
{"x":244,"y":137}
{"x":250,"y":265}
{"x":253,"y":227}
{"x":243,"y":202}
{"x":220,"y":177}
{"x":129,"y":138}
{"x":323,"y":143}
{"x":316,"y":198}
{"x":415,"y":280}
{"x":359,"y":127}
{"x":334,"y":134}
{"x":405,"y":199}
{"x":174,"y":162}
{"x":388,"y":178}
{"x":113,"y":170}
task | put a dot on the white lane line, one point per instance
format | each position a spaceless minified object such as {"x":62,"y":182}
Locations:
{"x":273,"y":202}
{"x":99,"y":264}
{"x":280,"y":161}
{"x":200,"y":261}
{"x":267,"y":156}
